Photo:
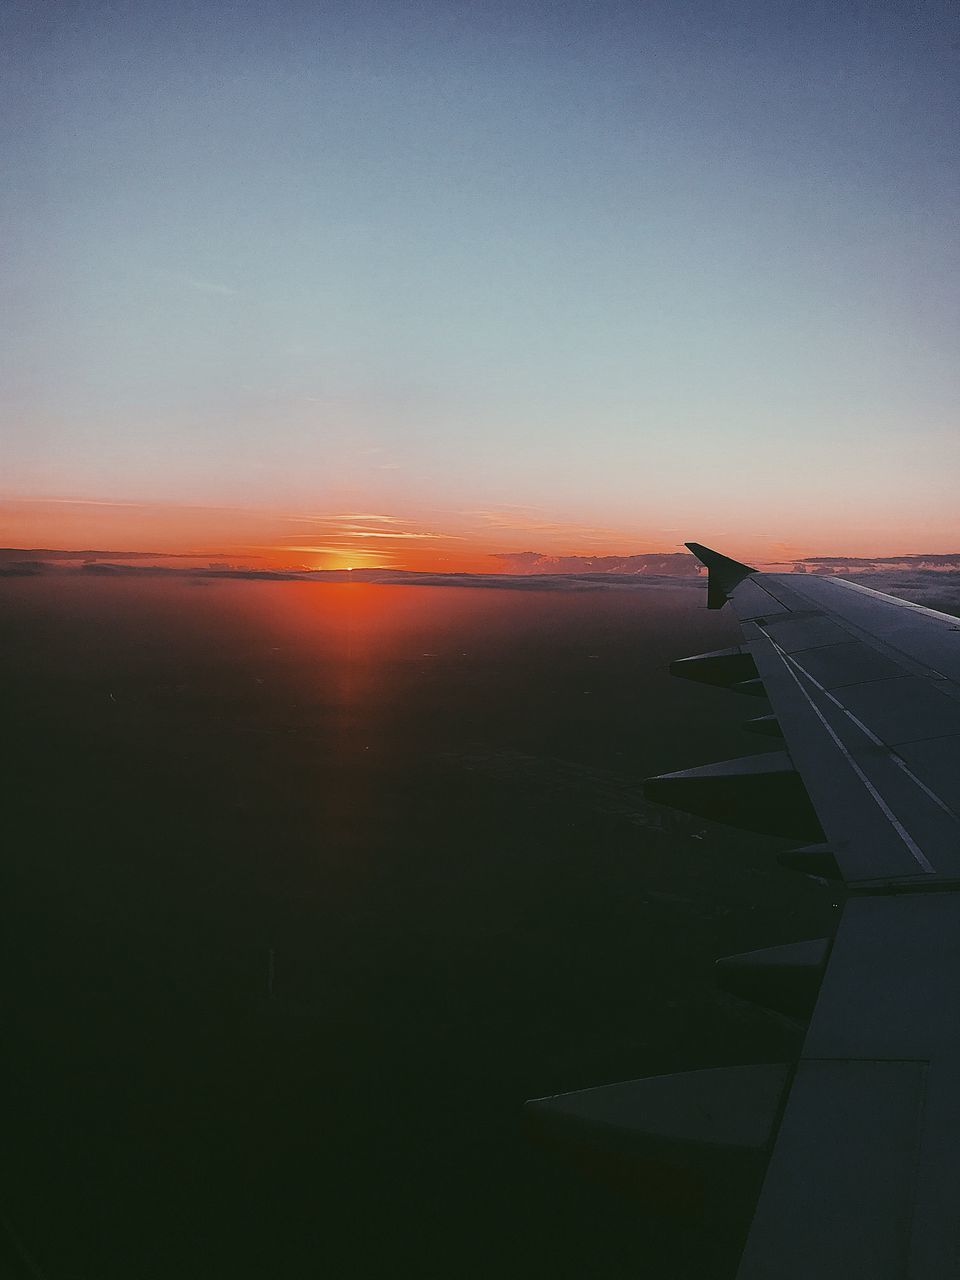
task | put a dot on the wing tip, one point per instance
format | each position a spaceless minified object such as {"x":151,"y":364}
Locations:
{"x":723,"y":573}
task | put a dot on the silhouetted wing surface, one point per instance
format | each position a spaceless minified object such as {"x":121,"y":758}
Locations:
{"x":864,"y":1176}
{"x":860,"y":1139}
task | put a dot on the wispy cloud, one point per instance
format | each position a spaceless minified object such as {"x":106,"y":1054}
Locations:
{"x":153,"y":504}
{"x":376,"y":533}
{"x":50,"y":553}
{"x":342,"y":551}
{"x":350,"y":531}
{"x":348,"y":517}
{"x":200,"y":284}
{"x":673,"y":563}
{"x":356,"y":525}
{"x":508,"y":506}
{"x":340,"y":548}
{"x":81,"y":502}
{"x":515,"y":521}
{"x":210,"y":286}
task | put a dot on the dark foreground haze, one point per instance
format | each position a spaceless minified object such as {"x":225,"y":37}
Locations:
{"x":309,"y":887}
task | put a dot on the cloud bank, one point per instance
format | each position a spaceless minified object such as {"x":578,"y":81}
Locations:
{"x":931,"y":580}
{"x":674,"y":563}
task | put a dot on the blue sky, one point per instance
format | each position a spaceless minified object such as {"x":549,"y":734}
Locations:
{"x":633,"y":264}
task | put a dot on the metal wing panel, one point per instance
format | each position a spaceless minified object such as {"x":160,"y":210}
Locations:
{"x":754,"y":600}
{"x":835,"y":665}
{"x":795,"y":632}
{"x":844,"y":708}
{"x":846,"y":1154}
{"x":891,"y":987}
{"x":849,"y":779}
{"x":937,"y":761}
{"x":865,"y":1174}
{"x":914,"y":632}
{"x":912,"y":710}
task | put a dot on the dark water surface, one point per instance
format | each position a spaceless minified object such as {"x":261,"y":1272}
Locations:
{"x":309,"y":887}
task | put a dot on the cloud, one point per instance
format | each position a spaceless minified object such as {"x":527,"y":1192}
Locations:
{"x":376,"y":576}
{"x":348,"y":526}
{"x":351,"y":516}
{"x":80,"y":502}
{"x":210,"y":286}
{"x":155,"y":504}
{"x":502,"y":508}
{"x":21,"y":568}
{"x":674,"y":563}
{"x":932,"y":588}
{"x":936,"y":588}
{"x":107,"y":569}
{"x":24,"y":554}
{"x":925,"y":560}
{"x":198,"y":283}
{"x":513,"y":521}
{"x":374,"y":533}
{"x":341,"y":550}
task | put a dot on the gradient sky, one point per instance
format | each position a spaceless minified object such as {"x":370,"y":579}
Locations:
{"x":568,"y":277}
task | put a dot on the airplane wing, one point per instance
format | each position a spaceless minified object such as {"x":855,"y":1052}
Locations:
{"x":862,"y":1135}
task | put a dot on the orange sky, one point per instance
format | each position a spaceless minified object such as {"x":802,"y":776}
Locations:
{"x":438,"y":540}
{"x":575,"y":279}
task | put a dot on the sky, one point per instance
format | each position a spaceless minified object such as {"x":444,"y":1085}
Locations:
{"x":412,"y":284}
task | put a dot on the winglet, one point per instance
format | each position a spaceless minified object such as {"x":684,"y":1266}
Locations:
{"x":723,"y":574}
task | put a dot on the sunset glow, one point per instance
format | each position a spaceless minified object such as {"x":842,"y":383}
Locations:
{"x":453,"y":541}
{"x":418,"y":287}
{"x":366,"y":368}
